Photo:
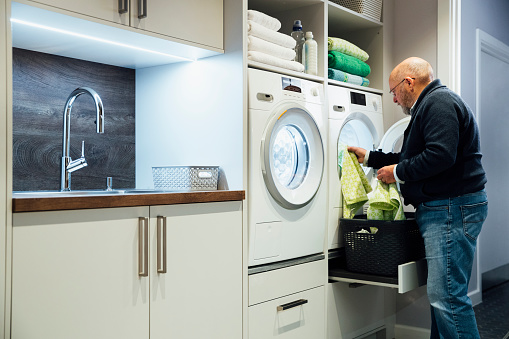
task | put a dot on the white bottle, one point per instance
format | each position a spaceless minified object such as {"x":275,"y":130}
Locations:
{"x":310,"y":55}
{"x":298,"y":35}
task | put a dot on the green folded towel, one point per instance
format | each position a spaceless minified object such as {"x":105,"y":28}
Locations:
{"x":354,"y":184}
{"x":338,"y":75}
{"x":346,"y":47}
{"x":348,"y":64}
{"x":385,"y":203}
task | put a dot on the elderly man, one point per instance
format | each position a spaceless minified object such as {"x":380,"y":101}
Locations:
{"x":440,"y":173}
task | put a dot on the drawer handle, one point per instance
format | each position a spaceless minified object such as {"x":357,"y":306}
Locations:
{"x":161,"y":244}
{"x":142,"y":9}
{"x":293,"y":304}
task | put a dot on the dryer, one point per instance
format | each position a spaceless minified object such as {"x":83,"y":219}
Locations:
{"x":286,"y":194}
{"x":355,"y":119}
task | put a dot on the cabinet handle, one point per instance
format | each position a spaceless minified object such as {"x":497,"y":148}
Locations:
{"x":293,"y":304}
{"x":142,"y":9}
{"x":143,"y":247}
{"x":161,"y":244}
{"x":122,"y":6}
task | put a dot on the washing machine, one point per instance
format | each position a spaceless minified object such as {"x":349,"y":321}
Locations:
{"x":286,"y":193}
{"x":355,"y":119}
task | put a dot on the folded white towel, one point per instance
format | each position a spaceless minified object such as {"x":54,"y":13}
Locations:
{"x":260,"y":45}
{"x":275,"y":61}
{"x":266,"y":34}
{"x":264,"y":20}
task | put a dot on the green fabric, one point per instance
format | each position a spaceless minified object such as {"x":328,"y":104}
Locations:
{"x":338,"y":75}
{"x":385,"y":203}
{"x":354,"y":184}
{"x":346,"y":47}
{"x":348,"y":64}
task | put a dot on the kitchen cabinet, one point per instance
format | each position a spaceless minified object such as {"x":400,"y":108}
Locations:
{"x":96,"y":273}
{"x":194,"y":21}
{"x":75,"y":275}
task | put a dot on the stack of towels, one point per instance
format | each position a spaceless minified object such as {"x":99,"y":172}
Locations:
{"x":266,"y":45}
{"x":347,"y":62}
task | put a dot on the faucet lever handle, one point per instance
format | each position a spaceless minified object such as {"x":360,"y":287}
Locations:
{"x":83,"y":149}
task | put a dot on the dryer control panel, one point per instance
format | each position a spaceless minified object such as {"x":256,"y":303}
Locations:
{"x":365,"y":101}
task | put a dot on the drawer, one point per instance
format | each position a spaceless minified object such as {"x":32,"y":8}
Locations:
{"x":304,"y":321}
{"x":277,"y":283}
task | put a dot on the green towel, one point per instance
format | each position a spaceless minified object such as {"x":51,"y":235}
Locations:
{"x":338,"y":75}
{"x":354,"y":184}
{"x":385,"y":203}
{"x":348,"y":64}
{"x":346,"y":47}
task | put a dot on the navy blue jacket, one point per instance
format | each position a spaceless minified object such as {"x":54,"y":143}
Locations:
{"x":440,"y":157}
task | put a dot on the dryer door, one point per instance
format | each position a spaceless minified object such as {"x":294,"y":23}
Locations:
{"x":292,"y":156}
{"x":392,"y":140}
{"x":358,"y":130}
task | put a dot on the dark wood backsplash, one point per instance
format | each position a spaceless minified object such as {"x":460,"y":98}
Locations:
{"x":41,"y":84}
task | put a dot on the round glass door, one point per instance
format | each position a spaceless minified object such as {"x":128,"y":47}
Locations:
{"x":359,"y":131}
{"x":292,"y":157}
{"x":393,"y":138}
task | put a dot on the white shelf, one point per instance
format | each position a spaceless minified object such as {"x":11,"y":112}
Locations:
{"x":265,"y":67}
{"x":347,"y":20}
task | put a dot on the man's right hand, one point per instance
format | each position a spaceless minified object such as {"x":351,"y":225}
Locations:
{"x":359,"y":152}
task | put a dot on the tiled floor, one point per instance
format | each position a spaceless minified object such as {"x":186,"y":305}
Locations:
{"x":493,"y":313}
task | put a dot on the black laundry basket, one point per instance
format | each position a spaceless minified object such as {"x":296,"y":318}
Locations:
{"x":395,"y":243}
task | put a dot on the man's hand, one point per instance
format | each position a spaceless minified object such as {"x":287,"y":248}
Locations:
{"x":386,"y":174}
{"x":359,"y":152}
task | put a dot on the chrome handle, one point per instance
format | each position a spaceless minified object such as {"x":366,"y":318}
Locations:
{"x":293,"y":304}
{"x":142,"y":9}
{"x":83,"y":148}
{"x":122,"y":6}
{"x":161,"y":244}
{"x":143,"y":247}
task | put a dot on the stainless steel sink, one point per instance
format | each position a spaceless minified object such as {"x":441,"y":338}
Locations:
{"x":38,"y":194}
{"x":48,"y":194}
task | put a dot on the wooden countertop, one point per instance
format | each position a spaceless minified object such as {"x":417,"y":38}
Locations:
{"x":48,"y":203}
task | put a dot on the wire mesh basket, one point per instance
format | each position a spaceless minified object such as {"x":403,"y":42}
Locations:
{"x":369,"y":8}
{"x":186,"y":178}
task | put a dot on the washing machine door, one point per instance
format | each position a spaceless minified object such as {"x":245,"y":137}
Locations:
{"x":292,"y":156}
{"x":392,"y":140}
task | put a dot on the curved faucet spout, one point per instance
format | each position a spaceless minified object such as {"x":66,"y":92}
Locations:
{"x":65,"y":177}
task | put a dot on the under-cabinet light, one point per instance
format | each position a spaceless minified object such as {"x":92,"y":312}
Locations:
{"x":89,"y":37}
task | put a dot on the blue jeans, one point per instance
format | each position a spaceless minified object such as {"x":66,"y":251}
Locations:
{"x":450,"y":228}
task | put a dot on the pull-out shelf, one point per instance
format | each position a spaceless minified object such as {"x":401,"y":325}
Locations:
{"x":410,"y":275}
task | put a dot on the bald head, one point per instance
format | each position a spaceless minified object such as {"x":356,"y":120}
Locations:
{"x":413,"y":67}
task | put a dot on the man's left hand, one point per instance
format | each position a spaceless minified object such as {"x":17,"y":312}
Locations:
{"x":386,"y":174}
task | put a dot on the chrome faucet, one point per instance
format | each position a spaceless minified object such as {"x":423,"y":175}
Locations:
{"x":69,"y":165}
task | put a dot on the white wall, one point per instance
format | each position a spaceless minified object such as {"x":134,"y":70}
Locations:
{"x":491,"y":16}
{"x":191,"y":114}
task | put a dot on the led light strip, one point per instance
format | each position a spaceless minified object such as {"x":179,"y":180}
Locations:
{"x":96,"y":39}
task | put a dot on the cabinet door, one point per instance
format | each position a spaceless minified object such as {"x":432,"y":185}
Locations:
{"x":75,"y":274}
{"x":101,"y":9}
{"x":199,"y":292}
{"x":198,"y":21}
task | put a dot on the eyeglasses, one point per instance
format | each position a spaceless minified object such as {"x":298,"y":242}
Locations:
{"x":392,"y":90}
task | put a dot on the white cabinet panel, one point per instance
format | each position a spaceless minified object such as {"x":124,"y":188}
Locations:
{"x":100,"y":9}
{"x":300,"y":322}
{"x":199,"y":21}
{"x":75,"y":275}
{"x":200,"y":293}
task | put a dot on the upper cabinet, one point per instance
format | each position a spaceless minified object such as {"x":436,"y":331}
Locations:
{"x":199,"y":21}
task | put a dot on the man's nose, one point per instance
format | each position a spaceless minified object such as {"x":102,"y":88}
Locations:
{"x":394,"y":99}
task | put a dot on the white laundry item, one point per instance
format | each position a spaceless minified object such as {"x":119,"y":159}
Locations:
{"x":264,"y":20}
{"x":275,"y":61}
{"x":260,"y":45}
{"x":266,"y":34}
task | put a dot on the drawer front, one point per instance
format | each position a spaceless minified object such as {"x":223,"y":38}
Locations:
{"x":274,"y":284}
{"x":304,"y":321}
